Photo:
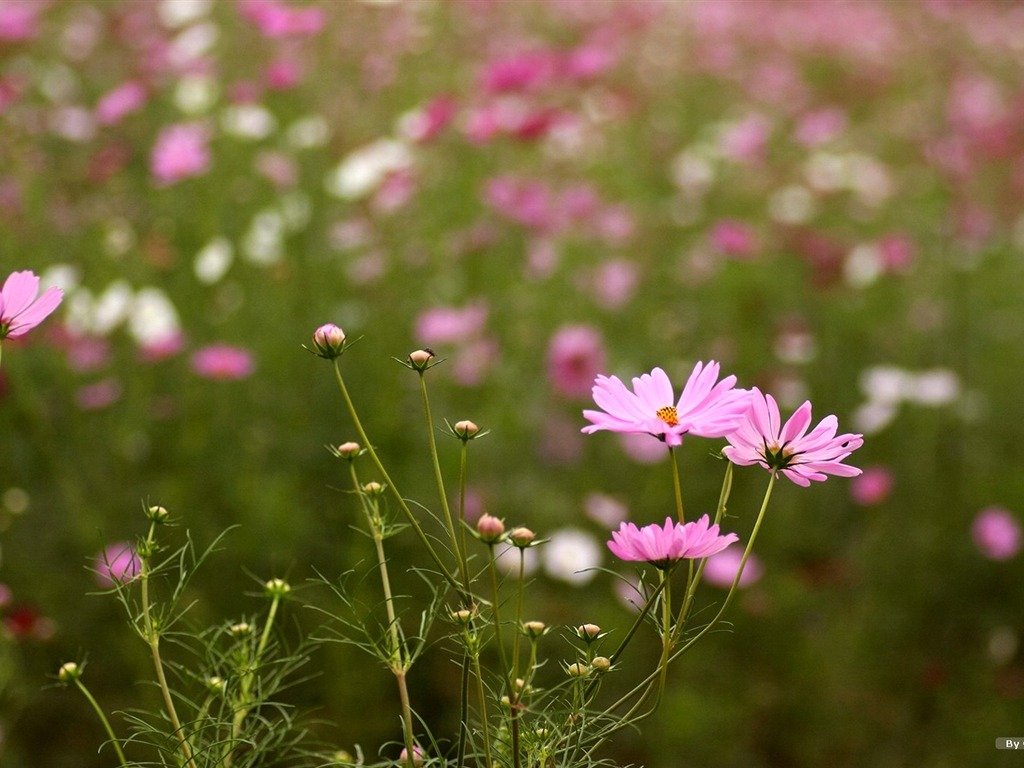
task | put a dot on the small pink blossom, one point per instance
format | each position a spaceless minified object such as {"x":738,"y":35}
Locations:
{"x":872,"y":487}
{"x":789,"y":448}
{"x":664,"y":545}
{"x":820,"y":126}
{"x":720,"y":570}
{"x":706,"y":408}
{"x":733,"y":238}
{"x":223,"y":362}
{"x":99,"y":395}
{"x":21,"y":306}
{"x":181,"y":151}
{"x":275,"y":19}
{"x":614,"y":283}
{"x":116,"y":564}
{"x":19,"y":19}
{"x":429,"y":120}
{"x":524,"y":71}
{"x":117,"y":104}
{"x":997,"y":533}
{"x":451,"y":325}
{"x":575,"y":356}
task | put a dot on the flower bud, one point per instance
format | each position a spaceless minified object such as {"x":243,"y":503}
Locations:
{"x":533,"y":629}
{"x":420,"y":359}
{"x":157,"y":514}
{"x":521,"y":536}
{"x":215,"y":684}
{"x":277,"y":588}
{"x":588,"y":632}
{"x":465,"y":429}
{"x":373,"y":488}
{"x":462,"y":616}
{"x":328,"y":341}
{"x":69,"y":671}
{"x":417,"y":755}
{"x":241,"y":629}
{"x":600,"y":663}
{"x":577,"y":670}
{"x":348,"y":450}
{"x":489,"y":528}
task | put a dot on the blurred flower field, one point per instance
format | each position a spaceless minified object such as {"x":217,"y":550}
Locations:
{"x":825,"y":196}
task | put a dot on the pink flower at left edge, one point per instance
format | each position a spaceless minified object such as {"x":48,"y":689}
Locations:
{"x":20,"y":309}
{"x":706,"y":408}
{"x":664,"y":545}
{"x":789,"y":448}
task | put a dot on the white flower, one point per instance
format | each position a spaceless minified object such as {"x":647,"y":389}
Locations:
{"x":364,"y":169}
{"x":571,"y":555}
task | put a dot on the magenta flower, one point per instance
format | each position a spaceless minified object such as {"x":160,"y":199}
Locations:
{"x":575,"y":355}
{"x":117,"y":563}
{"x":20,"y":308}
{"x":181,"y":150}
{"x":705,"y":408}
{"x":662,"y":546}
{"x":800,"y":455}
{"x":223,"y":362}
{"x":996,"y":533}
{"x":721,"y":570}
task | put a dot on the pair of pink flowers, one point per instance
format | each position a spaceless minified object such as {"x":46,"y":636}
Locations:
{"x":21,"y":306}
{"x":748,"y":419}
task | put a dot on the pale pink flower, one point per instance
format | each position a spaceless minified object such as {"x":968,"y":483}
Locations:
{"x":275,"y":19}
{"x":115,"y":105}
{"x":614,"y":283}
{"x":100,"y":394}
{"x":720,"y":570}
{"x":706,"y":408}
{"x":575,"y":356}
{"x":223,"y":362}
{"x":116,"y":564}
{"x":523,"y":71}
{"x":664,"y":545}
{"x":19,"y":19}
{"x":181,"y":151}
{"x":451,"y":325}
{"x":996,"y":533}
{"x":789,"y":448}
{"x":733,"y":238}
{"x":872,"y":487}
{"x":21,"y":308}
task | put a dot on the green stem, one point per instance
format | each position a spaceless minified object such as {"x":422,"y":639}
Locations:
{"x":153,"y":639}
{"x":484,"y":724}
{"x":250,"y":675}
{"x":676,"y":485}
{"x":413,"y":522}
{"x":103,"y":719}
{"x":506,"y":670}
{"x":460,"y":552}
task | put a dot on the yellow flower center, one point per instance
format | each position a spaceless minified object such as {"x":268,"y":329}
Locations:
{"x":668,"y":414}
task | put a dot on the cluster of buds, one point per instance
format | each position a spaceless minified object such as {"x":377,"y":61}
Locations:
{"x":277,"y":588}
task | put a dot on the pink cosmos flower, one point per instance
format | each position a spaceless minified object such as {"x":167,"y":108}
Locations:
{"x":872,"y":487}
{"x":222,"y":362}
{"x":662,"y":546}
{"x":181,"y":151}
{"x":575,"y":355}
{"x":996,"y":533}
{"x":20,"y":308}
{"x":705,"y":408}
{"x":720,"y":570}
{"x":120,"y":102}
{"x":117,"y":563}
{"x":800,"y":455}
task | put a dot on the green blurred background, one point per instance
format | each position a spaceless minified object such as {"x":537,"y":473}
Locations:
{"x":826,"y":197}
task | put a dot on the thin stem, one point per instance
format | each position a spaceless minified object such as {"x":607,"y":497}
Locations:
{"x":460,"y":553}
{"x":413,"y":522}
{"x":676,"y":485}
{"x":506,"y":672}
{"x":484,"y":724}
{"x":103,"y":719}
{"x":250,"y":675}
{"x":153,"y":638}
{"x":739,"y":571}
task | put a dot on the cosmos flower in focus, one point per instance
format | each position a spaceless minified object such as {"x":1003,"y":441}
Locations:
{"x":789,"y":448}
{"x":21,"y":306}
{"x":706,"y":408}
{"x":662,"y":546}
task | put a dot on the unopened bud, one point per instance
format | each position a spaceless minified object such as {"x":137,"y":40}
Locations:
{"x":373,"y":488}
{"x":489,"y":528}
{"x":277,"y":588}
{"x":215,"y":684}
{"x":577,"y":670}
{"x":241,"y":629}
{"x":349,"y":450}
{"x":462,"y":616}
{"x":533,"y":628}
{"x":420,"y":359}
{"x":600,"y":663}
{"x":157,"y":514}
{"x":465,"y":429}
{"x":521,"y":537}
{"x":588,"y":632}
{"x":69,"y":671}
{"x":328,"y":341}
{"x":417,"y":755}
